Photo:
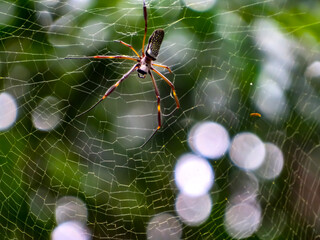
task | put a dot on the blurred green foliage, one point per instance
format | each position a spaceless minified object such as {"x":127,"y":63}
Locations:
{"x":123,"y":185}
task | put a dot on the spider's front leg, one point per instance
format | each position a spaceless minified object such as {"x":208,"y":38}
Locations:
{"x":129,"y":46}
{"x":106,"y":57}
{"x":145,"y":16}
{"x":111,"y":89}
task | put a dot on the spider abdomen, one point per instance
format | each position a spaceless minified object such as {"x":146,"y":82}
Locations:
{"x":154,"y":44}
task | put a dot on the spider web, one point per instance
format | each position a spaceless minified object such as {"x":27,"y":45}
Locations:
{"x":229,"y":59}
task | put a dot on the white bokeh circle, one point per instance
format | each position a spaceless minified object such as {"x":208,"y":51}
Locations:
{"x":193,"y":175}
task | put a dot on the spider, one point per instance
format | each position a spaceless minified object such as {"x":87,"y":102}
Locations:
{"x":143,"y":66}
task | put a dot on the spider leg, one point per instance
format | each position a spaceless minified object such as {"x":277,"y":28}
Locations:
{"x":106,"y":57}
{"x":128,"y":45}
{"x":145,"y":25}
{"x":170,"y":84}
{"x":162,"y":66}
{"x":158,"y":107}
{"x":158,"y":99}
{"x":111,"y":89}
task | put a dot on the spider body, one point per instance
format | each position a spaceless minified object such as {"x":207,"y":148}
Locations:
{"x":151,"y":53}
{"x":154,"y":44}
{"x":144,"y":66}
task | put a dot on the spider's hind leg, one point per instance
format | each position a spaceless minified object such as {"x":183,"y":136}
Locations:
{"x":170,"y":84}
{"x":162,"y":66}
{"x":158,"y":108}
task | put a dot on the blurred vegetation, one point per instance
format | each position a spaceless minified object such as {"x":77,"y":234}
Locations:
{"x":95,"y":157}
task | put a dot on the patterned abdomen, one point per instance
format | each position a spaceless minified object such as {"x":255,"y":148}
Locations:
{"x":154,"y":44}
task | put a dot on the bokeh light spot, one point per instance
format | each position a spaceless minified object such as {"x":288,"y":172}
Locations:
{"x":164,"y":226}
{"x":193,"y":210}
{"x":273,"y":162}
{"x":200,"y":6}
{"x":244,"y":187}
{"x":70,"y":208}
{"x":313,"y":70}
{"x":8,"y":111}
{"x":209,"y":139}
{"x":242,"y":220}
{"x":70,"y":231}
{"x":193,"y":175}
{"x":270,"y":99}
{"x":46,"y":116}
{"x":44,"y":18}
{"x":312,"y":75}
{"x":247,"y":151}
{"x":80,"y":4}
{"x":7,"y":12}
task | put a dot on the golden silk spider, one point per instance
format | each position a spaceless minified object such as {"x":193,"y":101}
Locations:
{"x":143,"y":66}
